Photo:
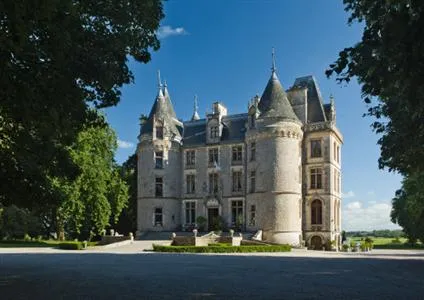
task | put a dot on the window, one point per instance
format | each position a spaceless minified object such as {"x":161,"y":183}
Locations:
{"x":316,"y":148}
{"x":316,"y":178}
{"x":159,"y":187}
{"x":252,"y":151}
{"x":252,"y":181}
{"x":213,"y":183}
{"x":338,"y":154}
{"x":158,"y":216}
{"x":190,"y":158}
{"x":159,"y":132}
{"x":237,"y":179}
{"x":159,"y":160}
{"x":237,"y":153}
{"x":237,"y":213}
{"x":335,"y":151}
{"x":190,"y":212}
{"x":338,"y":181}
{"x":252,"y":121}
{"x":252,"y":218}
{"x":213,"y":155}
{"x":316,"y":212}
{"x":190,"y":184}
{"x":335,"y":181}
{"x":214,"y":132}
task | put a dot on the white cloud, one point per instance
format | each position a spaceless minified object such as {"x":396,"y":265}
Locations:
{"x":349,"y":194}
{"x":376,"y":215}
{"x":166,"y":31}
{"x":125,"y":145}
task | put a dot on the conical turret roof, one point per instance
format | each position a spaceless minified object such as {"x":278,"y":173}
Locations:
{"x":163,"y":111}
{"x":274,"y":102}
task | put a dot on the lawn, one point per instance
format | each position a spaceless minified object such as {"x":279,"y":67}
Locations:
{"x":390,"y":243}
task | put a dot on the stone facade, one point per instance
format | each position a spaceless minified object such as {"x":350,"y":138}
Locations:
{"x":276,"y":168}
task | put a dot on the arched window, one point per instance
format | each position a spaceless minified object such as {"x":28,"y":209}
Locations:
{"x":316,"y":212}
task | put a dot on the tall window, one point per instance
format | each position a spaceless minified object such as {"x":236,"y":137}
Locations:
{"x":159,"y":187}
{"x":316,"y":178}
{"x":237,"y":180}
{"x":335,"y":151}
{"x":237,"y":153}
{"x":252,"y":218}
{"x":316,"y":150}
{"x":252,"y":181}
{"x":252,"y":123}
{"x":190,"y":158}
{"x":159,"y":160}
{"x":213,"y":155}
{"x":214,"y":132}
{"x":253,"y":151}
{"x":338,"y":154}
{"x":213,"y":183}
{"x":237,"y":213}
{"x":190,"y":212}
{"x":191,"y":183}
{"x":158,"y":216}
{"x":159,"y":132}
{"x":316,"y":212}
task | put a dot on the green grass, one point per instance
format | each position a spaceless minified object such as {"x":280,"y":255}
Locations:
{"x":37,"y":244}
{"x":390,"y":243}
{"x":222,"y":249}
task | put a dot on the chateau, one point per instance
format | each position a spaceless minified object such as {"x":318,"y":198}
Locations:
{"x":276,"y":168}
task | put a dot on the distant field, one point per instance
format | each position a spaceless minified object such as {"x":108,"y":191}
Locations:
{"x":389,"y":243}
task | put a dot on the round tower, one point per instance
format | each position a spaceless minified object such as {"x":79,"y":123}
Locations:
{"x":159,"y":166}
{"x":278,"y":137}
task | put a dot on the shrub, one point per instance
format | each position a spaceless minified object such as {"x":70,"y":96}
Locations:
{"x":71,"y":246}
{"x":222,"y":249}
{"x":345,"y":247}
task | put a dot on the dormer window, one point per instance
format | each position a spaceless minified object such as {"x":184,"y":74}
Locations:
{"x":159,"y":132}
{"x":214,"y":132}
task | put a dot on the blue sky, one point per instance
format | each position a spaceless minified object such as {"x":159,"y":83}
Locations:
{"x":221,"y":50}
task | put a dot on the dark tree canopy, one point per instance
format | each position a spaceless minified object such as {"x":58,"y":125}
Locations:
{"x":57,"y":57}
{"x":389,"y":64}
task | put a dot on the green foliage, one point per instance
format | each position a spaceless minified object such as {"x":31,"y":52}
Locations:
{"x":97,"y":196}
{"x":17,"y":223}
{"x":72,"y":246}
{"x":128,"y":219}
{"x":201,"y":222}
{"x":61,"y":57}
{"x":222,"y":249}
{"x":389,"y":64}
{"x":376,"y":233}
{"x":408,"y":206}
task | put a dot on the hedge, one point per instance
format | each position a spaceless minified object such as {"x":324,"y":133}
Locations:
{"x":222,"y":249}
{"x":72,"y":246}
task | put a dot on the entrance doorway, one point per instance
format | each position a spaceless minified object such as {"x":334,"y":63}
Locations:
{"x":213,"y":218}
{"x":316,"y":243}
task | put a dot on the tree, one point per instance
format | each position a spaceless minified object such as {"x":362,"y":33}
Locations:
{"x":96,"y":198}
{"x":58,"y":58}
{"x":389,"y":64}
{"x":408,"y":207}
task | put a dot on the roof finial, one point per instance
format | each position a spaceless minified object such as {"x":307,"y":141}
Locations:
{"x":274,"y":69}
{"x":195,"y":108}
{"x":159,"y":81}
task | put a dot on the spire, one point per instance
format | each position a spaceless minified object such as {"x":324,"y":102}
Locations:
{"x":273,"y":68}
{"x":274,"y":102}
{"x":195,"y":116}
{"x":164,"y":111}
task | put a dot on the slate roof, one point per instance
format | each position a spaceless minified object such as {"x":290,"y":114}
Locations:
{"x":315,"y":107}
{"x":274,"y":102}
{"x":163,"y":110}
{"x":233,"y":130}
